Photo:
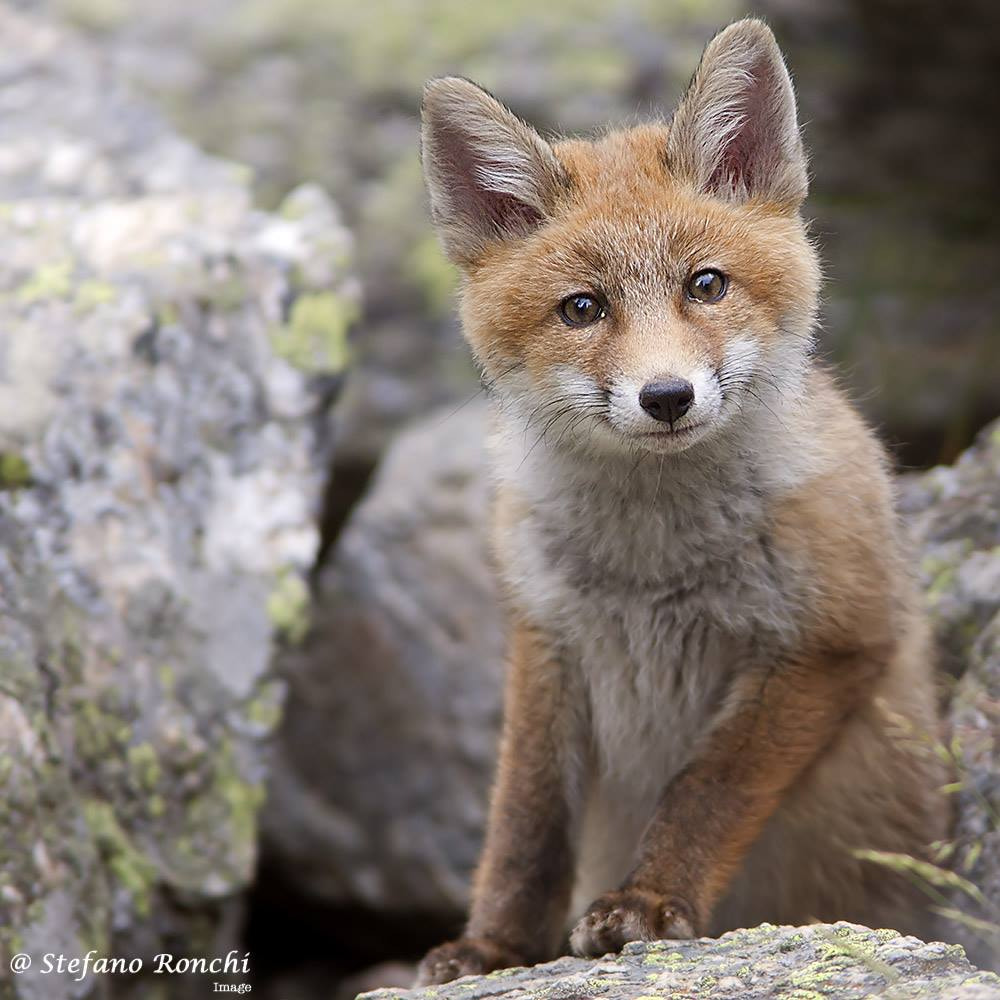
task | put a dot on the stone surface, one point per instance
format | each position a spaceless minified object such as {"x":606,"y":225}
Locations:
{"x":167,"y":354}
{"x":384,"y":761}
{"x":955,"y":514}
{"x":839,"y":961}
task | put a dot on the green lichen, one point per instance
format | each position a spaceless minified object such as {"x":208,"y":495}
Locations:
{"x":167,"y":677}
{"x":314,"y":339}
{"x":817,"y":973}
{"x":99,"y":734}
{"x":50,"y":281}
{"x":429,"y":271}
{"x":292,"y":209}
{"x":244,"y":801}
{"x":127,"y":864}
{"x":941,"y":582}
{"x":982,"y":979}
{"x":288,"y":607}
{"x":96,"y":15}
{"x":242,"y":173}
{"x":264,"y":710}
{"x":167,"y":314}
{"x":15,"y":472}
{"x":227,"y":294}
{"x":661,"y":957}
{"x":92,"y":294}
{"x":145,"y":766}
{"x":886,"y":934}
{"x":241,"y":798}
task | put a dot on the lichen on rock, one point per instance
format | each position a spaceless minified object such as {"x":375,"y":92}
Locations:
{"x":954,"y":513}
{"x":160,"y":472}
{"x":819,"y":961}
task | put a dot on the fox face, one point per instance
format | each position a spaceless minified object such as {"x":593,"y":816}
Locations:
{"x":639,"y":292}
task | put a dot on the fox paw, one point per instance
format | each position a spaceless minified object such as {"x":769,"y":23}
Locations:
{"x":630,"y":915}
{"x":464,"y":957}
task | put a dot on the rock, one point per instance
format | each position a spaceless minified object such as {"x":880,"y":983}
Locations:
{"x":385,"y":757}
{"x":840,"y":961}
{"x":167,"y":355}
{"x":954,"y":512}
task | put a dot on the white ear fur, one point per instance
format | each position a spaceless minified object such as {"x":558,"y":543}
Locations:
{"x":490,"y":176}
{"x":735,"y":132}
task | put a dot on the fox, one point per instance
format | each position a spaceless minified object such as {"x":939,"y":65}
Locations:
{"x":720,"y":692}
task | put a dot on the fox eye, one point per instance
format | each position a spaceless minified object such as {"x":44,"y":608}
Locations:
{"x":581,"y":310}
{"x":707,"y":286}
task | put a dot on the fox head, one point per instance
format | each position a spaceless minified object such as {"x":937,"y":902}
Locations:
{"x":644,"y":290}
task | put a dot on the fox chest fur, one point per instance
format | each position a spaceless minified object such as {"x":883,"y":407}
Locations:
{"x":657,"y":582}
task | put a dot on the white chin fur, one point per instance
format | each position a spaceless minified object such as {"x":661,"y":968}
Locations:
{"x":574,"y":411}
{"x":640,"y":429}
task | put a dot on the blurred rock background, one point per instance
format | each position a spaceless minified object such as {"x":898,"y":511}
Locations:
{"x":382,"y":764}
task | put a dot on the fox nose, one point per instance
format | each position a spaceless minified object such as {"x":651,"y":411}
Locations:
{"x":667,"y":399}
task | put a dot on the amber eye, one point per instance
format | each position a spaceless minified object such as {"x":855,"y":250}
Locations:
{"x":581,"y":310}
{"x":707,"y":286}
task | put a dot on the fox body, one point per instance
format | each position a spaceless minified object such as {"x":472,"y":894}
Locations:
{"x":720,"y":686}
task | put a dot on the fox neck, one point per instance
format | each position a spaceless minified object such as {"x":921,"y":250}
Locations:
{"x":628,"y":510}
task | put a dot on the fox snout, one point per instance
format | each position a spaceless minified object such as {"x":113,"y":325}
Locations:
{"x":665,"y":407}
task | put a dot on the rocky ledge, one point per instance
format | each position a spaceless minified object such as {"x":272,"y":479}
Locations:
{"x":791,"y":963}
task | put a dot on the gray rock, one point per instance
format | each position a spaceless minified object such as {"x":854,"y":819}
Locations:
{"x":955,"y":514}
{"x":166,"y":359}
{"x":384,"y":761}
{"x":842,"y":961}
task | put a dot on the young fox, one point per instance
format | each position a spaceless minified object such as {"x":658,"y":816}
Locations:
{"x":719,"y":677}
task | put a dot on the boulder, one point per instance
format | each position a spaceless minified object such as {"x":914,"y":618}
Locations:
{"x":841,"y":961}
{"x":384,"y":761}
{"x":954,"y":512}
{"x":167,"y":357}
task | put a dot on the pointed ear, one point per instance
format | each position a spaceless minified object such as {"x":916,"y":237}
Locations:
{"x":490,"y":176}
{"x":735,"y":133}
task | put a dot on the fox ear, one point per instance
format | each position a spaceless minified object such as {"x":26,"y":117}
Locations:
{"x":735,"y":133}
{"x":490,"y":176}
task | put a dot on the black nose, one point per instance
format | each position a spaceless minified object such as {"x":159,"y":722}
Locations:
{"x":667,"y":399}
